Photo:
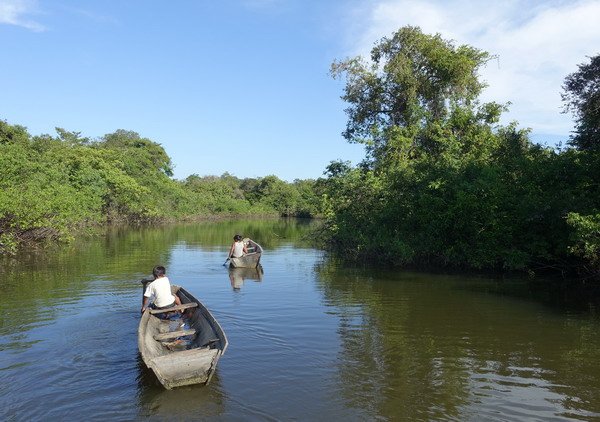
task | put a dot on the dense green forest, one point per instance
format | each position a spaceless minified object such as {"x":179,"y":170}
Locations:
{"x":53,"y":186}
{"x":444,"y":184}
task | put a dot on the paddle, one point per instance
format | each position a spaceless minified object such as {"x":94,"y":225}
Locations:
{"x":224,"y":263}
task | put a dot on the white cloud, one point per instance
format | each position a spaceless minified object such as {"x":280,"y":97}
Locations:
{"x":15,"y":12}
{"x":538,"y":43}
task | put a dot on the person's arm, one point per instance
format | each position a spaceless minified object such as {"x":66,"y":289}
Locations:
{"x":144,"y":304}
{"x":245,"y":249}
{"x":231,"y":250}
{"x":147,"y":295}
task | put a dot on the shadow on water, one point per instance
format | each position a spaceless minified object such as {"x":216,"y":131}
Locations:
{"x":561,"y":295}
{"x":477,"y":346}
{"x":555,"y":294}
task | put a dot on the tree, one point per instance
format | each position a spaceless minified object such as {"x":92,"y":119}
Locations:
{"x":413,"y":83}
{"x":586,"y":237}
{"x":140,"y":155}
{"x":582,"y":97}
{"x":309,"y":203}
{"x":277,"y":194}
{"x":444,"y":184}
{"x":71,"y":138}
{"x":13,"y":134}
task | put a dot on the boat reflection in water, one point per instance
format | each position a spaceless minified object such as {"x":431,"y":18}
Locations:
{"x":187,"y":403}
{"x":237,"y":276}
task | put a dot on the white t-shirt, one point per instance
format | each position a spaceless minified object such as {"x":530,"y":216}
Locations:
{"x":159,"y":292}
{"x":238,"y":249}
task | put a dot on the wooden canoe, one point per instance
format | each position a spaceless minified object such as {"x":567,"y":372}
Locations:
{"x":251,"y":259}
{"x":181,"y":355}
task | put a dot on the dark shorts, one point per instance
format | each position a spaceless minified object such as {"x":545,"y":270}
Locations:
{"x":153,"y":306}
{"x":166,"y":315}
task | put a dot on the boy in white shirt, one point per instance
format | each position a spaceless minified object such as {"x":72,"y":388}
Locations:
{"x":238,"y":248}
{"x":159,"y":291}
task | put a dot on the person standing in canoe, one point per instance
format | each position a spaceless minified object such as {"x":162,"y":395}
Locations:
{"x":158,"y":292}
{"x":238,"y":248}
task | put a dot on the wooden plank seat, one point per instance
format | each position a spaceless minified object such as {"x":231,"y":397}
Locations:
{"x":173,"y":334}
{"x":174,"y":308}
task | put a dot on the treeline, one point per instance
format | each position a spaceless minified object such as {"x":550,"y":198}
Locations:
{"x":444,"y":184}
{"x":51,"y":186}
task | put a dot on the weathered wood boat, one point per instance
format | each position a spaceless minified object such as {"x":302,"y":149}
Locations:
{"x":251,"y":259}
{"x":184,"y":350}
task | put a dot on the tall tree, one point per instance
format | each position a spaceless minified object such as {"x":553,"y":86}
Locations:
{"x":413,"y":82}
{"x":582,"y":97}
{"x":139,"y":154}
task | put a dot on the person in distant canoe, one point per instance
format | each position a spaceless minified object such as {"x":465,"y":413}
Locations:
{"x":238,"y":248}
{"x":158,"y":292}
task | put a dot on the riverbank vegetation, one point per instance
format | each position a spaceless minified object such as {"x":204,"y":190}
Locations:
{"x":53,"y":186}
{"x":444,"y":184}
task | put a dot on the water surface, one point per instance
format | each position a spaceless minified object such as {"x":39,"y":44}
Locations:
{"x":309,"y":339}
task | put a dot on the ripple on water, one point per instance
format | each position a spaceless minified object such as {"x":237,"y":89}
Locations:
{"x":521,"y":394}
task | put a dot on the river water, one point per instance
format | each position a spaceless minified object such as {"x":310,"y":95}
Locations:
{"x":309,"y":339}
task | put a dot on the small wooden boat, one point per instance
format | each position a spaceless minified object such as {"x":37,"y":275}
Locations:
{"x":184,"y":350}
{"x":251,"y":259}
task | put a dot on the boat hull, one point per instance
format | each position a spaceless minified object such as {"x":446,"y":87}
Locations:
{"x":251,"y":259}
{"x":173,"y":365}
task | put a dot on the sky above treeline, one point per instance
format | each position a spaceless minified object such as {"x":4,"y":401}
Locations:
{"x":243,"y":86}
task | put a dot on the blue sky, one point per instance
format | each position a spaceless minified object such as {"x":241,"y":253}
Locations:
{"x":243,"y":86}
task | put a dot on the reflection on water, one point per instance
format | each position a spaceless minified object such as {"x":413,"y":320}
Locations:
{"x":313,"y":341}
{"x":476,"y":355}
{"x":237,"y":276}
{"x":194,"y":402}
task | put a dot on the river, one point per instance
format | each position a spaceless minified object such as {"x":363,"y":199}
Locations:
{"x":309,"y":339}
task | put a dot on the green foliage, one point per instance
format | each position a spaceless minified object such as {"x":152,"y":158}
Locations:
{"x":137,"y":155}
{"x":274,"y":193}
{"x":443,"y":185}
{"x":353,"y":205}
{"x":214,"y":195}
{"x":586,"y":239}
{"x":50,"y":186}
{"x":36,"y":199}
{"x":582,"y":97}
{"x":414,"y":82}
{"x":307,"y":202}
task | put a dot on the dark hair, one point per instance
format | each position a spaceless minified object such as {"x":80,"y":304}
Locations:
{"x":237,"y":237}
{"x":158,"y":271}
